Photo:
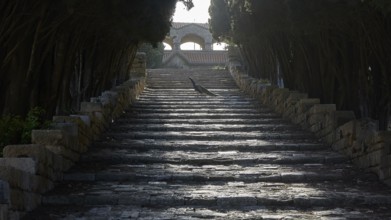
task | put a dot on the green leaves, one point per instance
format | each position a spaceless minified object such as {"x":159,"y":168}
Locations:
{"x":15,"y":130}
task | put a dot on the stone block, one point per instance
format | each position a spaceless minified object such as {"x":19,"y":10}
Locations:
{"x":315,"y":127}
{"x":38,"y":152}
{"x":340,"y":144}
{"x":51,"y":137}
{"x":70,"y":128}
{"x":17,"y":199}
{"x":31,"y":201}
{"x":266,"y":95}
{"x":380,"y":137}
{"x":16,"y":178}
{"x":329,"y":138}
{"x":303,"y":105}
{"x":47,"y":162}
{"x":372,"y":159}
{"x":40,"y":184}
{"x":24,"y":201}
{"x":72,"y":131}
{"x":84,"y":118}
{"x":294,"y":97}
{"x":385,"y":173}
{"x":64,"y":152}
{"x":325,"y":130}
{"x":322,"y":108}
{"x":26,"y":164}
{"x":4,"y":192}
{"x":279,"y":97}
{"x":4,"y":211}
{"x":339,"y":118}
{"x":91,"y":107}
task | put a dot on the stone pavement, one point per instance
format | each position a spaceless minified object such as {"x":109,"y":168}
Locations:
{"x":179,"y":155}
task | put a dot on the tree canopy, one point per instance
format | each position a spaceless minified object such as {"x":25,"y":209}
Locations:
{"x":55,"y":54}
{"x":336,"y":50}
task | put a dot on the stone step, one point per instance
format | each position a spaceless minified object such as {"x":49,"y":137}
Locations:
{"x":131,"y":156}
{"x":189,"y":93}
{"x":211,"y":135}
{"x":239,"y":121}
{"x":204,"y":127}
{"x":158,"y":106}
{"x":220,"y":194}
{"x":202,"y":101}
{"x":206,"y":115}
{"x":179,"y":155}
{"x":254,"y":146}
{"x":174,"y":173}
{"x":208,"y":212}
{"x":196,"y":110}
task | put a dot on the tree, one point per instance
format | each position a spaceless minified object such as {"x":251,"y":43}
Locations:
{"x":334,"y":50}
{"x":55,"y":54}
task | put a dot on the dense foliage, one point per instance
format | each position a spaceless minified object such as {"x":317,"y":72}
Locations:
{"x":56,"y":54}
{"x":154,"y":54}
{"x":337,"y":50}
{"x":15,"y":129}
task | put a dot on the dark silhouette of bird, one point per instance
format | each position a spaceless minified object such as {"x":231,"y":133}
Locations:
{"x":200,"y":89}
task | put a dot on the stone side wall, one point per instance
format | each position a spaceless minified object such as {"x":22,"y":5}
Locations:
{"x":359,"y":139}
{"x":28,"y":171}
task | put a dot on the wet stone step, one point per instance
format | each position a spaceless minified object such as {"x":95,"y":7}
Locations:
{"x":202,"y":127}
{"x":210,"y":135}
{"x":221,"y":194}
{"x":220,"y":96}
{"x":198,"y":110}
{"x":213,"y":158}
{"x":157,"y":106}
{"x":209,"y":146}
{"x":186,"y":102}
{"x":189,"y":173}
{"x":200,"y":212}
{"x":206,"y":115}
{"x":238,"y":121}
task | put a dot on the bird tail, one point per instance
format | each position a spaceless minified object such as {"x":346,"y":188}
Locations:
{"x":210,"y":93}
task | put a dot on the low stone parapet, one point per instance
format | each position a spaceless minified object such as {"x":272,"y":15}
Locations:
{"x":360,"y":140}
{"x":28,"y":171}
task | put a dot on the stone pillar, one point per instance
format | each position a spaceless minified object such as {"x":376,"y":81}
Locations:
{"x":208,"y":47}
{"x":177,"y":46}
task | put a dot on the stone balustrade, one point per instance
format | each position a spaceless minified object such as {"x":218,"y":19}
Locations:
{"x":359,"y":139}
{"x":28,"y":171}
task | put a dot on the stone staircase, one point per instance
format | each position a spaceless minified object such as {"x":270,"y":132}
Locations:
{"x":179,"y":155}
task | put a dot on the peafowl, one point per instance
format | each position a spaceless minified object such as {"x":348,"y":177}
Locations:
{"x":201,"y":89}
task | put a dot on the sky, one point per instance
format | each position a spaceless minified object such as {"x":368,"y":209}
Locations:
{"x":199,"y":13}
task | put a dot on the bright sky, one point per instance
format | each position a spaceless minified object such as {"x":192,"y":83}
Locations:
{"x":199,"y":13}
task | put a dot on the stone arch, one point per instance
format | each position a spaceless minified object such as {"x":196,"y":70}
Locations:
{"x":169,"y":41}
{"x":190,"y":32}
{"x":193,"y":38}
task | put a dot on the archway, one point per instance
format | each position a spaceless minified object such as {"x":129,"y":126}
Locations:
{"x":192,"y":40}
{"x":167,"y":46}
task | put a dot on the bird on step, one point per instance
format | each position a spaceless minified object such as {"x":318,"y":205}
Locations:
{"x":201,"y":89}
